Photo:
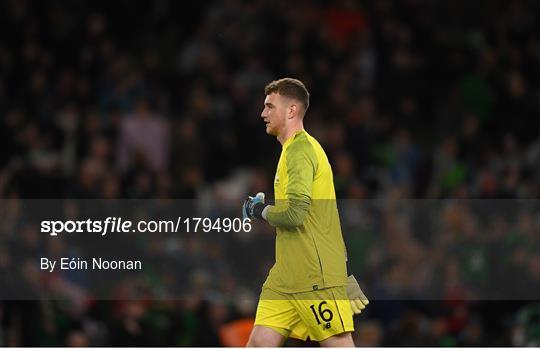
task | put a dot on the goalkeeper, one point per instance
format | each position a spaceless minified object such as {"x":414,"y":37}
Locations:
{"x":307,"y":292}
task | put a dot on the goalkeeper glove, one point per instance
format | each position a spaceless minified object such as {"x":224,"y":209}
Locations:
{"x":356,"y":296}
{"x":253,"y":206}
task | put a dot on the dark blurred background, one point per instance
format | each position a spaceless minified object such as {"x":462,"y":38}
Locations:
{"x":162,"y":99}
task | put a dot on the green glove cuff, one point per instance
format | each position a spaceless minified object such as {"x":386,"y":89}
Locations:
{"x":354,"y":291}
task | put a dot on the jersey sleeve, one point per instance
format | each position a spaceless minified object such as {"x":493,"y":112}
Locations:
{"x":301,"y":165}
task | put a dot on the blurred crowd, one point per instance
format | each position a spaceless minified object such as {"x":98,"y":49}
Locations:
{"x":161,"y":99}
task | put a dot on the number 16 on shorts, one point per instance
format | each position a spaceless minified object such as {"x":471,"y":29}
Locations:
{"x":322,"y":313}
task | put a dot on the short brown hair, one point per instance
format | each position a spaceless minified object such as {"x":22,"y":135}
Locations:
{"x":291,"y":88}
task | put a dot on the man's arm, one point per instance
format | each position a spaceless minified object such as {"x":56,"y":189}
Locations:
{"x":291,"y":212}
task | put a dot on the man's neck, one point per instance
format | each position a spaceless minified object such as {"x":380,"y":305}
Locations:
{"x":282,"y":138}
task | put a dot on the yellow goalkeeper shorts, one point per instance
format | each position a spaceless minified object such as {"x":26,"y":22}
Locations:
{"x":316,"y":314}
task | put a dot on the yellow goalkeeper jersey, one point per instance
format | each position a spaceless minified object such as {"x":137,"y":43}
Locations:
{"x":310,"y":252}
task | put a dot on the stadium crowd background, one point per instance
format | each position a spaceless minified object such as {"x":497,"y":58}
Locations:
{"x":161,"y":99}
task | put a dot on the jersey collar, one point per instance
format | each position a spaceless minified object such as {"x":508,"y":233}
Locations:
{"x":289,"y":141}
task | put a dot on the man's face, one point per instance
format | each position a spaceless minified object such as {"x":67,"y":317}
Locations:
{"x":274,"y":113}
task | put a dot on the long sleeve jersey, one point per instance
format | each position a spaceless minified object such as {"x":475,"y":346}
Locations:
{"x":310,"y":252}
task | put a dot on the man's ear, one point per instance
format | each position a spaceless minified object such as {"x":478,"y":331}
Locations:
{"x":293,"y":110}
